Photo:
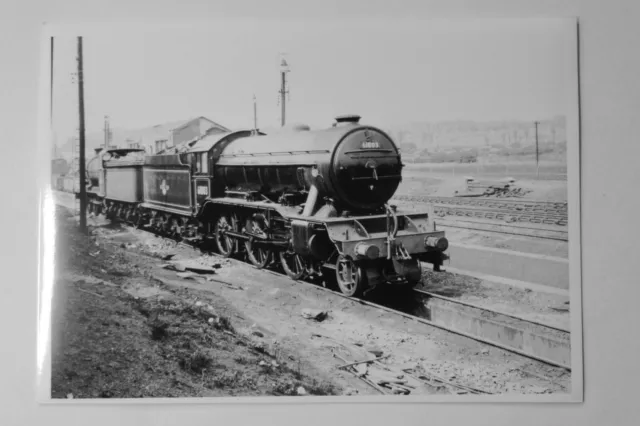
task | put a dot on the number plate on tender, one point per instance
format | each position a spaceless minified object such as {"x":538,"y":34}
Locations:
{"x":202,"y":190}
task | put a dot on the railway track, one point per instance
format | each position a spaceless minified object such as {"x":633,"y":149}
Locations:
{"x":537,"y":341}
{"x":529,"y":339}
{"x":533,"y":340}
{"x":524,"y":231}
{"x":508,"y":204}
{"x":537,"y":212}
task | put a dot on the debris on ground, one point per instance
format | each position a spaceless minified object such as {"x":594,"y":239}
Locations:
{"x":501,"y":189}
{"x":188,"y":275}
{"x":196,"y":267}
{"x":537,"y":389}
{"x":379,"y":376}
{"x":231,"y":286}
{"x":315,"y":314}
{"x":375,"y":350}
{"x":174,"y":267}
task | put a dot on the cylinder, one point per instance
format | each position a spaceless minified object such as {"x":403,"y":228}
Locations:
{"x":368,"y":250}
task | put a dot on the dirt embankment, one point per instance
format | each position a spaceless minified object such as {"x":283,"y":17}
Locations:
{"x":118,"y":332}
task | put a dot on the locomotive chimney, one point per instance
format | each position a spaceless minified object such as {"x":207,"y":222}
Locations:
{"x":343,"y":120}
{"x":98,"y":150}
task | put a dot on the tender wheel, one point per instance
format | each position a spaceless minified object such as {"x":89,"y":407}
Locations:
{"x":163,"y":225}
{"x":128,"y":214}
{"x":258,"y":256}
{"x":226,"y":245}
{"x":293,"y":264}
{"x":136,"y":217}
{"x":350,"y":277}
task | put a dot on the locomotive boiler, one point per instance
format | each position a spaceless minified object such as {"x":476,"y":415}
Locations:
{"x":356,"y":168}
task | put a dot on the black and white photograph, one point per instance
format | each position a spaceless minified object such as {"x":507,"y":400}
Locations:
{"x":311,"y":210}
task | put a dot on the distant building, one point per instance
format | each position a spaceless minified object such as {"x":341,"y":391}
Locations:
{"x":132,"y":144}
{"x":193,"y":129}
{"x":153,"y":138}
{"x":160,"y":145}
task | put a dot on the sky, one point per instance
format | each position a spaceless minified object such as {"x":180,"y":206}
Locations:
{"x":389,"y":72}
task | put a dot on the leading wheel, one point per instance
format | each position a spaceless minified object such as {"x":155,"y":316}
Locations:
{"x":258,"y":255}
{"x":351,"y":278}
{"x":226,"y":244}
{"x":293,"y":264}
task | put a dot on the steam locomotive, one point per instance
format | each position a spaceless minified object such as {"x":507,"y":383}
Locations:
{"x":314,"y":201}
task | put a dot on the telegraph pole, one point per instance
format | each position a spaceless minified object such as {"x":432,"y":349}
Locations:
{"x":107,"y":133}
{"x":537,"y":152}
{"x":55,"y":148}
{"x":255,"y":113}
{"x":284,"y":69}
{"x":83,"y":187}
{"x":51,"y":93}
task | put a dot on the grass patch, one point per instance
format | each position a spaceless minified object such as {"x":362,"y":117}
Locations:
{"x":196,"y":362}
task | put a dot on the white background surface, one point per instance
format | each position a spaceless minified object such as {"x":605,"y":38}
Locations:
{"x":609,"y":38}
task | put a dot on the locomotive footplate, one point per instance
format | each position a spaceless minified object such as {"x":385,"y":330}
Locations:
{"x":370,"y":238}
{"x":383,"y":249}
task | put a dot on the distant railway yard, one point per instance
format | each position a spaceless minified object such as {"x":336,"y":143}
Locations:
{"x":494,"y":320}
{"x":507,"y":210}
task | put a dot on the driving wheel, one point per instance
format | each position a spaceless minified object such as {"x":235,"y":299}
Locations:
{"x":258,"y":254}
{"x":351,"y":278}
{"x":293,"y":264}
{"x":226,"y":244}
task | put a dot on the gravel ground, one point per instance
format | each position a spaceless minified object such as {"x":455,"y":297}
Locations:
{"x":265,"y":311}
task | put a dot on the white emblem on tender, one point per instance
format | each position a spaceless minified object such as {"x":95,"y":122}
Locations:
{"x":164,"y":187}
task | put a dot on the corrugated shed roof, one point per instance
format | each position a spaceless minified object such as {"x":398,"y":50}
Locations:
{"x":207,"y":142}
{"x":213,"y":123}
